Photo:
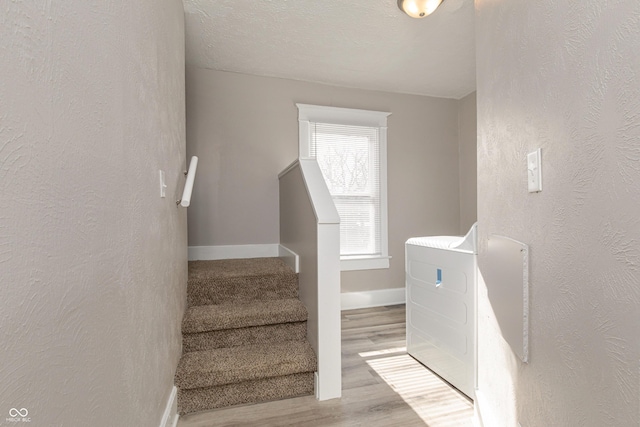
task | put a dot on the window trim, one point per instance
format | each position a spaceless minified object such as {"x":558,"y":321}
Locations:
{"x":352,"y":117}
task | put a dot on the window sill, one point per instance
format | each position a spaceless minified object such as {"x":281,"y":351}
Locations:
{"x":364,"y":263}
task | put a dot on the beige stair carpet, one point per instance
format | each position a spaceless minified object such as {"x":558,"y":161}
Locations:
{"x":255,"y":322}
{"x":235,"y":337}
{"x":236,"y":364}
{"x":244,"y":335}
{"x":262,"y":390}
{"x":253,"y":313}
{"x":240,"y":280}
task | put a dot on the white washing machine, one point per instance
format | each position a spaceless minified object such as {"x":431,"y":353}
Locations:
{"x":441,"y":278}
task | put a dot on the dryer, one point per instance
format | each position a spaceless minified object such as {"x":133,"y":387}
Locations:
{"x":441,"y":283}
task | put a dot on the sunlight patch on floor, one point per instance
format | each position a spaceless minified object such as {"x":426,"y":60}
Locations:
{"x":430,"y":397}
{"x":383,"y":352}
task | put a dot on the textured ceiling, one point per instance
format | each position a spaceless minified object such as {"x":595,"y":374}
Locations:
{"x":368,"y":44}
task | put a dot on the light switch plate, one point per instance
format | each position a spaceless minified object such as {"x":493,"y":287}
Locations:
{"x":534,"y":171}
{"x":163,"y":186}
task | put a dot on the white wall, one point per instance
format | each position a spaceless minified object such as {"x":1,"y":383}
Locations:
{"x":245,"y":130}
{"x":467,"y":161}
{"x":564,"y":76}
{"x":92,"y":261}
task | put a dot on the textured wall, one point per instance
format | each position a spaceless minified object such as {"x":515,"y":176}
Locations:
{"x":564,"y":76}
{"x":92,"y":261}
{"x":245,"y":130}
{"x":467,"y":148}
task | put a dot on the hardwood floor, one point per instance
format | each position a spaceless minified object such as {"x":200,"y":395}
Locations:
{"x":382,"y":386}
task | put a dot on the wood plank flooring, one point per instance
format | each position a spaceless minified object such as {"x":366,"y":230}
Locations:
{"x":381,"y":386}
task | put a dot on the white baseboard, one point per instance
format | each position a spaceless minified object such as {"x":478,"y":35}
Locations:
{"x":367,"y":299}
{"x":316,"y":388}
{"x":170,"y":416}
{"x":233,"y":251}
{"x":289,"y":257}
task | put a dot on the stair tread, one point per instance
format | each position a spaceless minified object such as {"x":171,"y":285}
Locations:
{"x":244,"y":267}
{"x":236,"y":364}
{"x":240,"y":280}
{"x":203,"y":318}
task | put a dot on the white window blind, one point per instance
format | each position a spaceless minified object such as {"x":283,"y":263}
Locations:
{"x":349,"y":157}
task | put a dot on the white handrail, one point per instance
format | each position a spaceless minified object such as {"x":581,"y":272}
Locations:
{"x":188,"y":185}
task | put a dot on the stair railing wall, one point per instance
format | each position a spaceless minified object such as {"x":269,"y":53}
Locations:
{"x":310,"y":227}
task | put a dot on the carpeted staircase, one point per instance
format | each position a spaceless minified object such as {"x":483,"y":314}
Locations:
{"x":244,"y":335}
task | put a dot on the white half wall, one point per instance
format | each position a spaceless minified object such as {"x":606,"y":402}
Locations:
{"x":310,"y":227}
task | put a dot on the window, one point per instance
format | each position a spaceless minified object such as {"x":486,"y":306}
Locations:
{"x":350,"y":148}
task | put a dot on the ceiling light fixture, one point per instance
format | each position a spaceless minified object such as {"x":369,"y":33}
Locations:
{"x":418,"y":8}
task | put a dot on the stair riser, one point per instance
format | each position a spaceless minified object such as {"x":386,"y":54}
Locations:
{"x":283,"y":387}
{"x":244,"y":336}
{"x":241,"y":289}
